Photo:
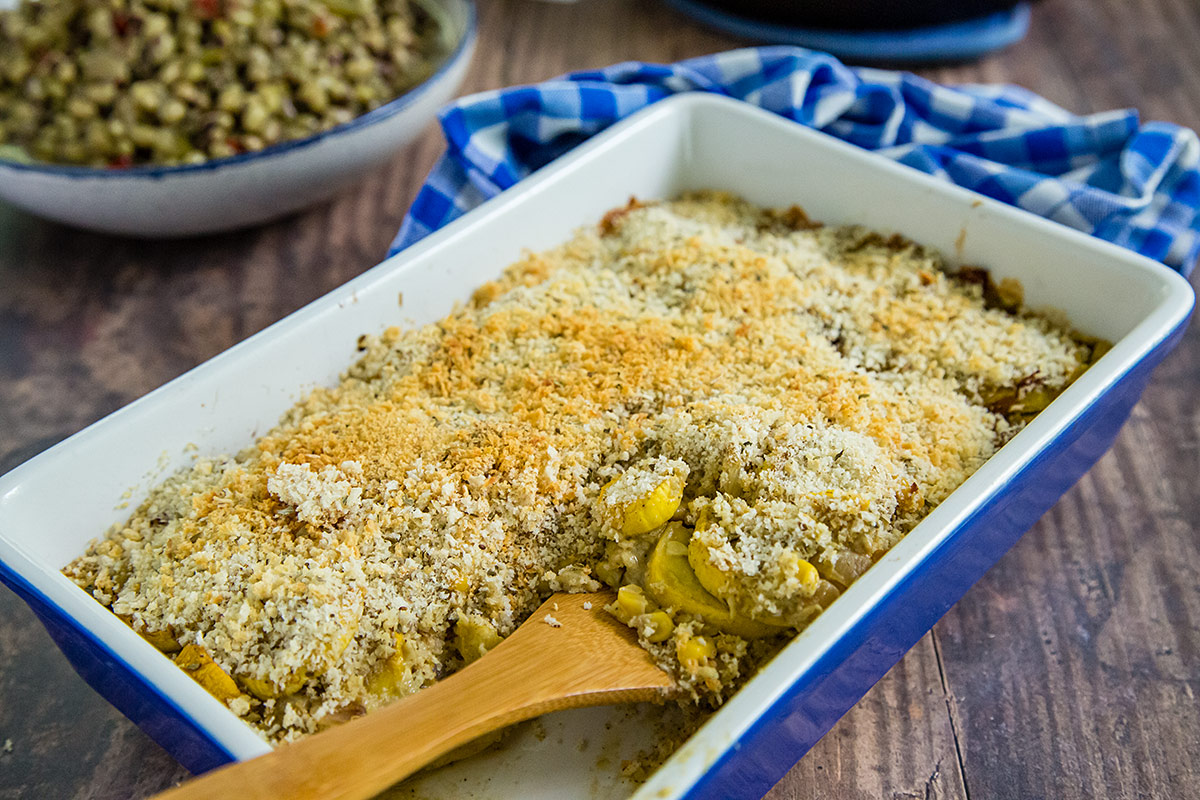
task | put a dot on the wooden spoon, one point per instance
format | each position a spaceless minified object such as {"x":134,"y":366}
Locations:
{"x":569,"y":654}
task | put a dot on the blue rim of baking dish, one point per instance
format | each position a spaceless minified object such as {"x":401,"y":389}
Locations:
{"x":383,"y":112}
{"x":951,"y":41}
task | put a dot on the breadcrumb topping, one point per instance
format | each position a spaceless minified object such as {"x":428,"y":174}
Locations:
{"x":815,"y":390}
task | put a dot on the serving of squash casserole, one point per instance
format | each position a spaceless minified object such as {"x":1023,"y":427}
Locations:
{"x":728,"y":413}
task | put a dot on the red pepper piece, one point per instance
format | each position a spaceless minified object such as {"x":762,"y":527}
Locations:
{"x":207,"y":9}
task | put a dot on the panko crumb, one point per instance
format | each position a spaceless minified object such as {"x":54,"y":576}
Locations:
{"x":552,"y":621}
{"x":804,"y":394}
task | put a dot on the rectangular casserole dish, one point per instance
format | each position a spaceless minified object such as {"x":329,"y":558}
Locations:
{"x":54,"y":504}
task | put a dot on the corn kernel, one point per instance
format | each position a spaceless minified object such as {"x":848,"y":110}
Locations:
{"x":460,"y":583}
{"x":660,"y":626}
{"x":632,"y":601}
{"x":800,"y":569}
{"x":693,"y":651}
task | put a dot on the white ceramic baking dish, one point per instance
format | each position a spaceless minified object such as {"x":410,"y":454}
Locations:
{"x":51,"y":506}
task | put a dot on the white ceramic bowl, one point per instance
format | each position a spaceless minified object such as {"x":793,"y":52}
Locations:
{"x":51,"y":506}
{"x":246,"y":189}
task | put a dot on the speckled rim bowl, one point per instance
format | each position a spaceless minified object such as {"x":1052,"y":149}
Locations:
{"x":245,"y":189}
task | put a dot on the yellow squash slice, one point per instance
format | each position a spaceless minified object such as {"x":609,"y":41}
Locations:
{"x":672,"y":583}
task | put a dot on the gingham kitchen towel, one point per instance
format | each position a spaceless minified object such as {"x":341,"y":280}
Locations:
{"x":1134,"y":184}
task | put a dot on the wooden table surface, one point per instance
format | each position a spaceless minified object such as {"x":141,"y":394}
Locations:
{"x":1069,"y":671}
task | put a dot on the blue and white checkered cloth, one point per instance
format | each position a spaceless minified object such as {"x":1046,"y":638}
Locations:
{"x":1137,"y":185}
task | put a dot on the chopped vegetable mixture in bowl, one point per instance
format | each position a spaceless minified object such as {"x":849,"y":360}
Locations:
{"x":131,"y":116}
{"x":123,"y":82}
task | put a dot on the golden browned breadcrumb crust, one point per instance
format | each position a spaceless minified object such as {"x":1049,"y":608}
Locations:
{"x":817,"y":389}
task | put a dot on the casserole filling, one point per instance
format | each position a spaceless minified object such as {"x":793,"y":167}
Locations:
{"x":727,"y":412}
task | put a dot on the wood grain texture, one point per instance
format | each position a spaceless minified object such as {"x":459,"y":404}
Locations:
{"x":1070,"y":671}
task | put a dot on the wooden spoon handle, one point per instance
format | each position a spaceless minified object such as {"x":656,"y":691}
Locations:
{"x":526,"y":675}
{"x":367,"y":755}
